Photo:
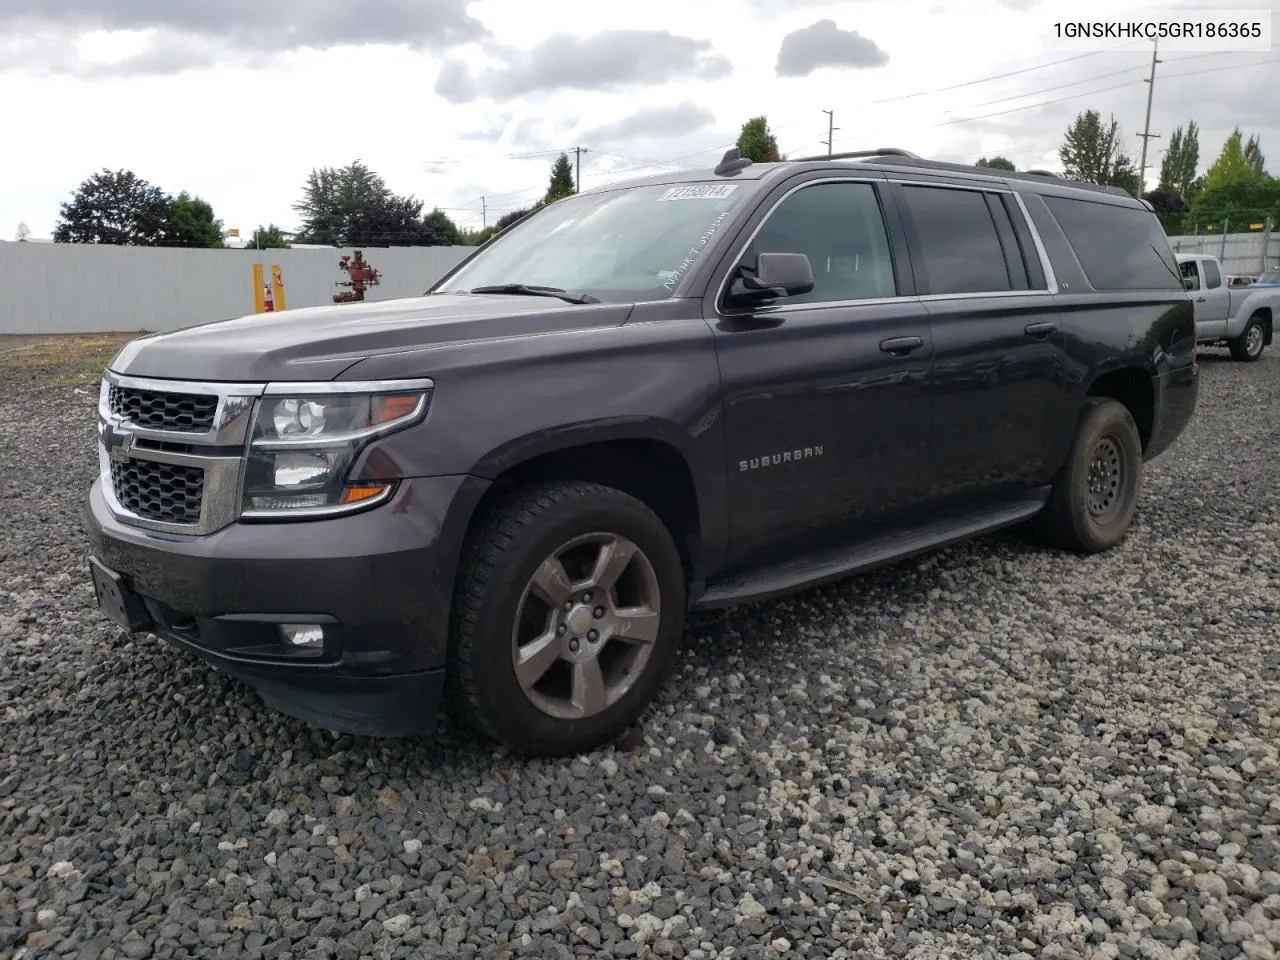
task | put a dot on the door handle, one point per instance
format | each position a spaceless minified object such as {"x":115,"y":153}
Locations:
{"x":901,"y":346}
{"x":1039,"y":330}
{"x":1201,"y":299}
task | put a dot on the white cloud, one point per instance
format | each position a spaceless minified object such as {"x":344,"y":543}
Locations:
{"x":248,"y":116}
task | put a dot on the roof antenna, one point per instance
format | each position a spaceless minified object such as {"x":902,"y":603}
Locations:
{"x":731,"y":163}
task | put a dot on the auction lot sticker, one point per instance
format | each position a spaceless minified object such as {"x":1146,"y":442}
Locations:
{"x":705,"y":191}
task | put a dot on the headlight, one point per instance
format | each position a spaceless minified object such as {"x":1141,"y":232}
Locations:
{"x":302,"y":447}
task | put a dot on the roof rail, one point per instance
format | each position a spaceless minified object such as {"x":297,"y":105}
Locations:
{"x":854,"y":154}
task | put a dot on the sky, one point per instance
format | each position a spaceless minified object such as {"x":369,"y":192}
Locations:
{"x":454,"y":101}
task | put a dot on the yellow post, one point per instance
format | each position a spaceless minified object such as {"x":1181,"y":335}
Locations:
{"x":277,"y":287}
{"x":259,"y":297}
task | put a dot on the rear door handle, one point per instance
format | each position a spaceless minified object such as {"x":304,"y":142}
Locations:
{"x":1040,"y":330}
{"x":1201,"y":299}
{"x":901,"y":346}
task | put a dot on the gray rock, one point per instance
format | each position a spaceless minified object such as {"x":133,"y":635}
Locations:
{"x":992,"y":751}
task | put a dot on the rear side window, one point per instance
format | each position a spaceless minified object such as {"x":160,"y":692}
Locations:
{"x":1120,"y":248}
{"x":1212,"y":275}
{"x":958,"y":240}
{"x":1190,"y":275}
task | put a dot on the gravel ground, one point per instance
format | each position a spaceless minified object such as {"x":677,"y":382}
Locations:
{"x":994,"y":751}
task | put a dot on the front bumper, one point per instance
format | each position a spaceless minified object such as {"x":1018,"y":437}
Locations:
{"x":380,"y":582}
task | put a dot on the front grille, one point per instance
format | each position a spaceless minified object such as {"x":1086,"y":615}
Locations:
{"x":156,"y":410}
{"x":163,"y":492}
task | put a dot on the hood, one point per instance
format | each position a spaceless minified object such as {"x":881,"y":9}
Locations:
{"x":318,"y":343}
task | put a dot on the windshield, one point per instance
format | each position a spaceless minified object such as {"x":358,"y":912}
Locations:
{"x":620,"y":246}
{"x":1272,"y":277}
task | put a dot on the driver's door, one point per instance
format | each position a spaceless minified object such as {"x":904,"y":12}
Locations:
{"x":828,"y":413}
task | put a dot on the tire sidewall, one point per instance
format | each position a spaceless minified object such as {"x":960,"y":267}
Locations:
{"x":1244,"y":339}
{"x":516,"y":718}
{"x":1111,"y":420}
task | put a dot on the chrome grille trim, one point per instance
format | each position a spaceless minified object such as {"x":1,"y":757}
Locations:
{"x":220,"y":451}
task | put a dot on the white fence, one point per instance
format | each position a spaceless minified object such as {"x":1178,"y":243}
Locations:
{"x":92,"y":288}
{"x":1240,"y":253}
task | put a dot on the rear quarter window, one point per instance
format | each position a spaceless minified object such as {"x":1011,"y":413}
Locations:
{"x":1119,"y":247}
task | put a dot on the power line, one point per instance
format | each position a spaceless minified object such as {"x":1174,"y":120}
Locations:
{"x":1003,"y":76}
{"x":1114,"y":86}
{"x":1093,"y":79}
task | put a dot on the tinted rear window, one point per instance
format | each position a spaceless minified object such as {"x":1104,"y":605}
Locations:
{"x":958,"y":239}
{"x":1120,"y":248}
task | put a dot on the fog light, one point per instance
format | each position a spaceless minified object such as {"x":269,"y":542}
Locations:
{"x":307,"y":635}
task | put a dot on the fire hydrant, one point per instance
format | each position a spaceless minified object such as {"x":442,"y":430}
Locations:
{"x":360,"y":275}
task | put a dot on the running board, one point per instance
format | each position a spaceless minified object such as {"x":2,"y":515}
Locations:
{"x":767,"y":583}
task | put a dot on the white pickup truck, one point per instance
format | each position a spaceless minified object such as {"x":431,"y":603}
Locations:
{"x":1240,"y":317}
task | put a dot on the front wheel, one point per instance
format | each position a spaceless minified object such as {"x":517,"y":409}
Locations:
{"x":1096,"y":495}
{"x":1249,"y":345}
{"x":570,"y":606}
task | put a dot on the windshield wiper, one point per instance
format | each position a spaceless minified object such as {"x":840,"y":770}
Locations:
{"x":532,"y":291}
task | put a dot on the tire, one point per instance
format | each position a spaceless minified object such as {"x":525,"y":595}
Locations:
{"x":1074,"y":518}
{"x":556,"y":709}
{"x":1249,"y":345}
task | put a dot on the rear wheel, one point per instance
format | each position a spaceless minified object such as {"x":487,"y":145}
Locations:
{"x":1251,"y":342}
{"x":1096,"y":495}
{"x":570,"y":606}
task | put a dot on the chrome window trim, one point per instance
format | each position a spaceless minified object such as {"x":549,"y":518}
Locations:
{"x":997,"y":187}
{"x":1050,"y":278}
{"x":220,"y":503}
{"x":723,"y":287}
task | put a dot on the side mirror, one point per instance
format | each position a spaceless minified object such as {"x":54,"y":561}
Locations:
{"x":775,"y":275}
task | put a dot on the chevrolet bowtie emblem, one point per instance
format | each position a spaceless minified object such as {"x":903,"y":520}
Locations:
{"x":119,"y":444}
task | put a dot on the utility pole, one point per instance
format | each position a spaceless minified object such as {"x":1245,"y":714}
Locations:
{"x":484,"y":215}
{"x":831,"y":129}
{"x":577,"y":168}
{"x":1147,"y":135}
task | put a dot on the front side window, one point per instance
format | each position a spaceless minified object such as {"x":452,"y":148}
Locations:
{"x":958,"y":241}
{"x":839,"y":227}
{"x":622,"y":246}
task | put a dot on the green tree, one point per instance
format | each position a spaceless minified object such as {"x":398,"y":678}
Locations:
{"x":1091,"y":152}
{"x":757,"y":143}
{"x":1235,"y":189}
{"x":116,"y":207}
{"x":997,"y":163}
{"x":394,"y":222}
{"x":1253,"y":154}
{"x":332,"y":198}
{"x":1178,"y":168}
{"x":192,"y":223}
{"x":1169,"y":207}
{"x":561,"y":184}
{"x":442,"y":224}
{"x":269,"y":237}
